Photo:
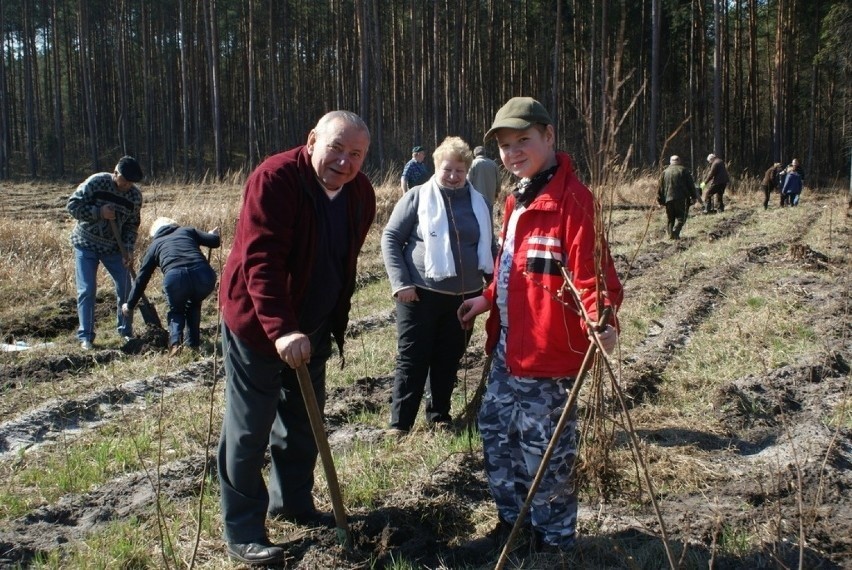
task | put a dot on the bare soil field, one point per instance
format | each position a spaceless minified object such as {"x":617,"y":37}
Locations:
{"x":734,"y":364}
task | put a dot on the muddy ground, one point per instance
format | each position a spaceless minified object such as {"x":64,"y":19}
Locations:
{"x":772,"y":441}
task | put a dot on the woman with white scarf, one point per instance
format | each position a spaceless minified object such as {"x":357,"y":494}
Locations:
{"x":436,"y":249}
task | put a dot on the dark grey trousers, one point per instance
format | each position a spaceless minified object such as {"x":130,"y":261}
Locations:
{"x":264,"y":408}
{"x":430,"y":344}
{"x":676,"y":214}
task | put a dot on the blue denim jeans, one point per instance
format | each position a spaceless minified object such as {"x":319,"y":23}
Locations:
{"x":185,"y":289}
{"x":86,"y":267}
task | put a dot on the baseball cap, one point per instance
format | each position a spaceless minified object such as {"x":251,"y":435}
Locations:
{"x":418,"y":148}
{"x":519,"y":113}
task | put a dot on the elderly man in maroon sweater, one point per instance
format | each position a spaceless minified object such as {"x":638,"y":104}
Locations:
{"x":286,"y":290}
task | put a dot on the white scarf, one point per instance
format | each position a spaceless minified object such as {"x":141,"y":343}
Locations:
{"x":432,"y":217}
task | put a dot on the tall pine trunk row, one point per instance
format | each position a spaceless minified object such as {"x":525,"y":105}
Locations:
{"x":201,"y":87}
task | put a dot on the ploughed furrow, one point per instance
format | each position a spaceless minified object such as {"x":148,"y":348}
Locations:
{"x":779,"y":455}
{"x":49,"y":421}
{"x":48,"y":369}
{"x":693,"y":303}
{"x":651,"y":254}
{"x":366,"y":396}
{"x":25,"y":203}
{"x":686,"y":309}
{"x":729,"y":225}
{"x":633,"y":212}
{"x":71,"y":518}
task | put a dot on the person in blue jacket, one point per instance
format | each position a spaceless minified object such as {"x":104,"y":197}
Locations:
{"x":792,"y":187}
{"x":188,"y":278}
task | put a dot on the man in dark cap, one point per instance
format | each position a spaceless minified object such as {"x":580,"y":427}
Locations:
{"x":415,"y":172}
{"x":103,"y":199}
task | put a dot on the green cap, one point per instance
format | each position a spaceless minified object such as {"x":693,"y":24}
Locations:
{"x":519,"y":113}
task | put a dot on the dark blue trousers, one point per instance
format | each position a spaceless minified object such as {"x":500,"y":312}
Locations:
{"x":185,"y":289}
{"x":264,"y":408}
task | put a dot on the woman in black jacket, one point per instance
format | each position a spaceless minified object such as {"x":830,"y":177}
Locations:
{"x":188,"y":278}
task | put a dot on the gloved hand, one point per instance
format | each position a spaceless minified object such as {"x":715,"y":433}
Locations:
{"x":608,"y":338}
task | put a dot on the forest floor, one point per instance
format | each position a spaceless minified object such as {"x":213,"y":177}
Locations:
{"x":768,"y":458}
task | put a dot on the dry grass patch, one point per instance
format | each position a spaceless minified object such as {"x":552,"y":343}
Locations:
{"x":33,"y":256}
{"x":750,"y":335}
{"x":372,"y":354}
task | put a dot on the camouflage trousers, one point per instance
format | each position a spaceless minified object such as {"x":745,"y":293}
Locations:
{"x":517,"y":420}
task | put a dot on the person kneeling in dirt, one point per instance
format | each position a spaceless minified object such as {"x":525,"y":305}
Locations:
{"x":537,"y":341}
{"x":715,"y":183}
{"x":286,"y":290}
{"x":188,"y":278}
{"x":103,"y":202}
{"x":677,"y":193}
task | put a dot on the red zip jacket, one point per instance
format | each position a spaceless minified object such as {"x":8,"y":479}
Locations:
{"x":271,"y":260}
{"x":546,"y":338}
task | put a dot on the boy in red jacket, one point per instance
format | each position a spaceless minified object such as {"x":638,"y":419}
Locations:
{"x":538,"y":342}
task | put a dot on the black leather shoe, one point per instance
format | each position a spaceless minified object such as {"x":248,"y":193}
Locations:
{"x":256,"y":553}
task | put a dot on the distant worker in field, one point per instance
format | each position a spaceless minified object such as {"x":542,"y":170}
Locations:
{"x":99,"y":199}
{"x":770,"y":182}
{"x":484,"y":175}
{"x":677,"y":193}
{"x":415,"y":172}
{"x":285,"y":292}
{"x":537,"y":339}
{"x":794,"y":164}
{"x":715,"y":183}
{"x":799,"y":169}
{"x":188,"y":278}
{"x":792,"y":187}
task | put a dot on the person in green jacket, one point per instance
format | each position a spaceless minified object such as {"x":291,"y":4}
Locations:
{"x":677,"y":193}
